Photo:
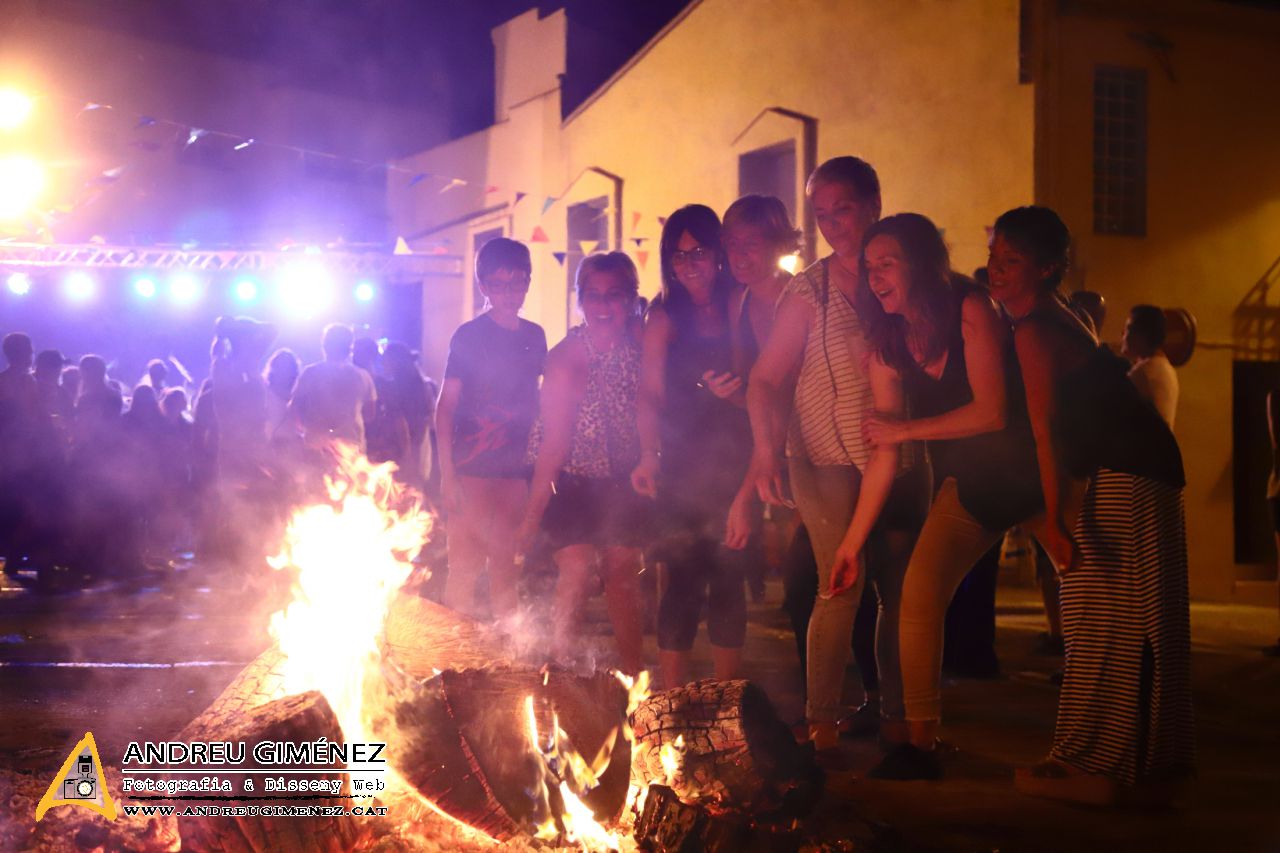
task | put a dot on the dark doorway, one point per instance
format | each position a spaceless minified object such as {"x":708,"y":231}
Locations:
{"x":1251,"y":381}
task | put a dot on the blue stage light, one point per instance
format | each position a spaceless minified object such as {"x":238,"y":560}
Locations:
{"x":144,"y":287}
{"x":184,"y":288}
{"x":364,"y":291}
{"x":19,"y":284}
{"x":246,"y":290}
{"x":80,"y":286}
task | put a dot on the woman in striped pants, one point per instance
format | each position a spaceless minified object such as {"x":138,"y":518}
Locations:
{"x":1112,"y":478}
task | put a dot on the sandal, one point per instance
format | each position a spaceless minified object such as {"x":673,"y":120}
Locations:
{"x":1058,"y":781}
{"x":863,"y":722}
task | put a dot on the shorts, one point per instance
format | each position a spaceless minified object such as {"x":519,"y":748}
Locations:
{"x":605,"y":513}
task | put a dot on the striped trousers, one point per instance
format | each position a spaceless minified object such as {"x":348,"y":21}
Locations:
{"x":1125,"y":706}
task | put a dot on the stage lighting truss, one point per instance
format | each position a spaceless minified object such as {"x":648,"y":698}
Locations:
{"x":356,"y":264}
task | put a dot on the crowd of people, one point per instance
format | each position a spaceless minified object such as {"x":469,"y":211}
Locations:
{"x":101,"y":481}
{"x":909,"y":414}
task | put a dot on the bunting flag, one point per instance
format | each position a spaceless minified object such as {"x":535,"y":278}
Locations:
{"x":240,"y":146}
{"x":402,"y":247}
{"x":559,"y":256}
{"x":453,"y":182}
{"x":144,"y":121}
{"x":194,"y":135}
{"x":519,"y":195}
{"x":635,"y":219}
{"x":642,"y":258}
{"x":538,"y":236}
{"x":639,"y":241}
{"x":662,"y":220}
{"x":417,"y":179}
{"x":491,"y":189}
{"x":91,"y":106}
{"x":588,"y":246}
{"x":546,"y":205}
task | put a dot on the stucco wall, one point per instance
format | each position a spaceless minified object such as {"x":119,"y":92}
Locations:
{"x":1213,"y":211}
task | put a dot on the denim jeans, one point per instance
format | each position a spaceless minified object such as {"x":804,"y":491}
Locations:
{"x":826,"y":496}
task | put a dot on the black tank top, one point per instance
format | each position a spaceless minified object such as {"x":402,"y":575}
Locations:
{"x":996,"y":473}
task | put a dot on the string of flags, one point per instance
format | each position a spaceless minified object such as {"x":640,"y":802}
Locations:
{"x":188,"y":135}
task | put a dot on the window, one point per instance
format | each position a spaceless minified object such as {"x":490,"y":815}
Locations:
{"x":1120,"y":151}
{"x":770,"y":171}
{"x":588,"y":223}
{"x":477,"y":243}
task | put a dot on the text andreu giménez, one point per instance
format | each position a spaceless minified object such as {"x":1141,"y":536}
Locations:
{"x":320,"y":752}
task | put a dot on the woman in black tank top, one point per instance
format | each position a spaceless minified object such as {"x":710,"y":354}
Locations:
{"x":951,"y":351}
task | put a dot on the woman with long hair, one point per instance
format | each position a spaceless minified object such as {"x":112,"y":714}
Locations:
{"x":694,"y":443}
{"x":584,"y":447}
{"x":1112,"y":478}
{"x":951,"y":351}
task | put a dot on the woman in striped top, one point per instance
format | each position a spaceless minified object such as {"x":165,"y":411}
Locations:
{"x":841,"y":485}
{"x":1112,"y":479}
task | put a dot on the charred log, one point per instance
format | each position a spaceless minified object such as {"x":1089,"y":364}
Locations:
{"x":733,"y":749}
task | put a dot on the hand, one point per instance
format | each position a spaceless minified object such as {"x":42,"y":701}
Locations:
{"x":767,"y":468}
{"x":644,"y":478}
{"x":846,"y":569}
{"x":1060,"y":546}
{"x":738,"y":527}
{"x":526,"y":534}
{"x":881,"y":430}
{"x":723,"y":385}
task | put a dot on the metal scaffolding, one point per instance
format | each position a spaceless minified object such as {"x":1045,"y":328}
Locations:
{"x":353,"y":263}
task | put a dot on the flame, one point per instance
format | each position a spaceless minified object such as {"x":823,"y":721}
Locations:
{"x":672,"y":756}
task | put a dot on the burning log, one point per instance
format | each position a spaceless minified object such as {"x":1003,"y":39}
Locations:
{"x":302,"y":717}
{"x":722,"y":740}
{"x":460,"y":739}
{"x":424,"y":638}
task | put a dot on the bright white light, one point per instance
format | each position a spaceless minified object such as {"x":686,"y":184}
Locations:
{"x":22,"y":181}
{"x":15,"y":108}
{"x":305,"y":288}
{"x":19,"y":284}
{"x":145,"y":287}
{"x":80,"y":286}
{"x":246,"y":290}
{"x":364,"y":291}
{"x":184,"y":288}
{"x":789,"y":263}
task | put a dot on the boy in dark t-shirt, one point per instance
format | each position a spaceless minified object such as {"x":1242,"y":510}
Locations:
{"x":487,"y":406}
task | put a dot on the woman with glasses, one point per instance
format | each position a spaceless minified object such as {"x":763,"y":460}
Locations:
{"x":584,"y":447}
{"x":694,"y":443}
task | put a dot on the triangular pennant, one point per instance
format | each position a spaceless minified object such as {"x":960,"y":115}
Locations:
{"x":91,"y":106}
{"x":559,"y":256}
{"x":80,"y":782}
{"x":402,"y":247}
{"x":588,"y":246}
{"x":538,"y":235}
{"x":546,"y":205}
{"x":639,"y":241}
{"x":417,"y":179}
{"x":662,"y":220}
{"x":194,"y":134}
{"x":642,"y":258}
{"x":453,"y":182}
{"x":240,"y":146}
{"x":635,"y":219}
{"x":519,"y":195}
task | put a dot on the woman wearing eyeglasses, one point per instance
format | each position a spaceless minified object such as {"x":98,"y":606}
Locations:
{"x":695,"y":443}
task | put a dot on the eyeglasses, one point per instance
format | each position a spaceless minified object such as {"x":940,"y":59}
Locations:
{"x":679,"y":257}
{"x":515,"y":284}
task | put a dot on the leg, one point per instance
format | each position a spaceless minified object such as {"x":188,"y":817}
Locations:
{"x":576,"y":565}
{"x":622,"y":596}
{"x":800,"y":589}
{"x":467,"y":549}
{"x":894,"y":553}
{"x":681,"y":604}
{"x":1050,"y":587}
{"x":727,"y":610}
{"x":825,"y":497}
{"x":950,"y":542}
{"x":507,"y":498}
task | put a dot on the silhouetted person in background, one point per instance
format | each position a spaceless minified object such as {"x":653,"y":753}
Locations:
{"x":411,"y":397}
{"x":157,"y":375}
{"x":18,"y":411}
{"x":281,"y":376}
{"x":1152,"y":373}
{"x":386,"y":434}
{"x":334,"y":398}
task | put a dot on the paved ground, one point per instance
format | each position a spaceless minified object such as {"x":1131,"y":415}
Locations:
{"x":140,"y":663}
